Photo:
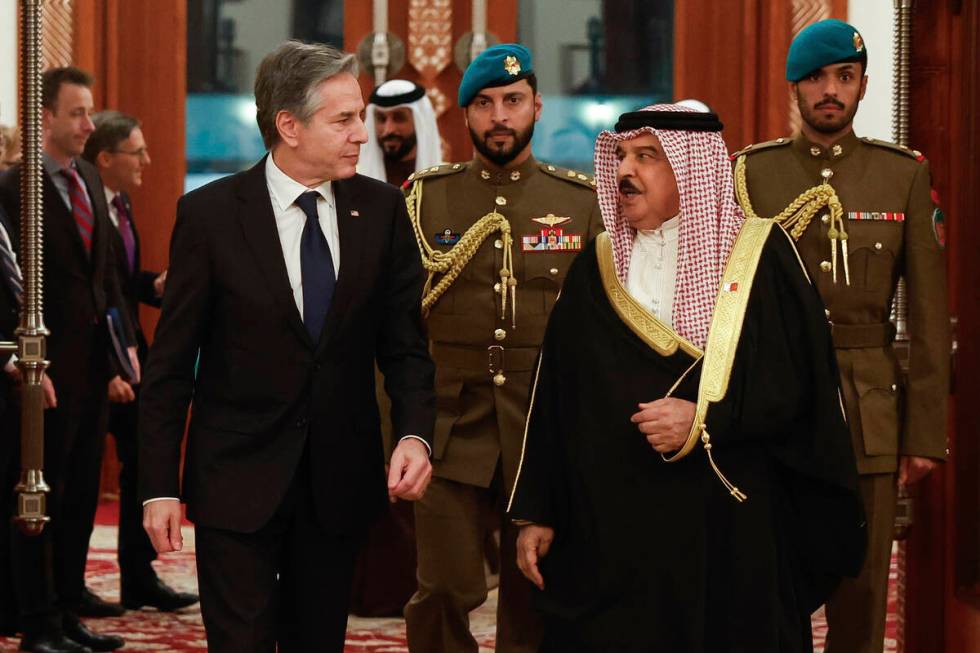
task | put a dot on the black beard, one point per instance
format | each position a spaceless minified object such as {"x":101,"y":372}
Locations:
{"x":809,"y":116}
{"x":407,"y":145}
{"x":504,"y":156}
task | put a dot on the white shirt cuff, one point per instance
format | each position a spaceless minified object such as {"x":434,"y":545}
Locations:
{"x":415,"y":437}
{"x":161,"y":499}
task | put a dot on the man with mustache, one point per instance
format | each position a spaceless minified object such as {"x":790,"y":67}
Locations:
{"x":497,"y":235}
{"x":403,"y":136}
{"x":682,"y":447}
{"x":867,"y":218}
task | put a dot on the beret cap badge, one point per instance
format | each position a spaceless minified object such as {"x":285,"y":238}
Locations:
{"x":858,"y":42}
{"x":512,"y":65}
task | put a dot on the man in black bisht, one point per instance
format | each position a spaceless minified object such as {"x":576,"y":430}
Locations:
{"x":687,"y":481}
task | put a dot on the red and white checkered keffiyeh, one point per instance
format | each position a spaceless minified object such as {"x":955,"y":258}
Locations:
{"x":710,"y":218}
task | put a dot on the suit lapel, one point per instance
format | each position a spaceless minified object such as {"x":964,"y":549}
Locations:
{"x":352,"y":236}
{"x":259,"y":228}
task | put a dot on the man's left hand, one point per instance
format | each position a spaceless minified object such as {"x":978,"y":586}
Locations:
{"x":135,"y":362}
{"x":912,"y":469}
{"x":410,"y":470}
{"x":666,"y":423}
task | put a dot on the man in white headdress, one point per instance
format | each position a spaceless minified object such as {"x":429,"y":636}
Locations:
{"x":403,"y":136}
{"x":687,"y":481}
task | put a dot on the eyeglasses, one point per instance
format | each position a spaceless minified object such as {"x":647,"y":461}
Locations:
{"x":139,"y":154}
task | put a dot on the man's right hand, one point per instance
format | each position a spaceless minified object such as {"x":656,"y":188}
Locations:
{"x":161,"y":521}
{"x":533,"y":543}
{"x":120,"y":392}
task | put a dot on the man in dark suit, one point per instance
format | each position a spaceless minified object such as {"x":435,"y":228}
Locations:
{"x":286,"y":281}
{"x":117,"y":148}
{"x":80,"y":284}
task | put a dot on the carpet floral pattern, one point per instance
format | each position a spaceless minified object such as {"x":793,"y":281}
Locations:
{"x":183,"y":632}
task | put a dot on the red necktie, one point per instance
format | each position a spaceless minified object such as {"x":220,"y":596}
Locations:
{"x":81,"y":210}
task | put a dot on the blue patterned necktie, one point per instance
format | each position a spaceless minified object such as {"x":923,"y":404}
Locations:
{"x":316,"y":264}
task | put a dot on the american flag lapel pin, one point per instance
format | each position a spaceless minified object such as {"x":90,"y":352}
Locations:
{"x":731,"y":286}
{"x":355,"y":214}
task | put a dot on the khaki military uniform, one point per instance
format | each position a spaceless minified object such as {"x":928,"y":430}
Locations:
{"x":892,"y":231}
{"x":485,"y":350}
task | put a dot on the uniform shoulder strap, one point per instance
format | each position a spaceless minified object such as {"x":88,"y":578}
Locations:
{"x":569,"y":175}
{"x":758,"y":147}
{"x":894,"y":147}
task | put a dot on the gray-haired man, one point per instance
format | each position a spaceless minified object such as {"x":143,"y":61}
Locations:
{"x":290,"y":279}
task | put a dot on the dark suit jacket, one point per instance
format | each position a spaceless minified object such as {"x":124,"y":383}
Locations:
{"x":9,"y":320}
{"x":78,"y":287}
{"x":263,"y":392}
{"x":137,"y":286}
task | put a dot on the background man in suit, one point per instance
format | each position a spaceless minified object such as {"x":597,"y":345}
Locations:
{"x":80,"y":284}
{"x":117,"y":148}
{"x":11,"y":286}
{"x":288,"y":280}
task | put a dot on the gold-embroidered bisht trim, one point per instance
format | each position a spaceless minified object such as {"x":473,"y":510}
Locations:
{"x":796,"y":217}
{"x":724,"y":334}
{"x":450,"y":264}
{"x":660,"y":337}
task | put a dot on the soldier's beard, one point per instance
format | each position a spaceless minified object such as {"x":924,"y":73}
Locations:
{"x":813,"y":116}
{"x":396,"y":148}
{"x":501,"y":156}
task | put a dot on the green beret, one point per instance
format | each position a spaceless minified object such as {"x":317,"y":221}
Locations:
{"x":821,"y":44}
{"x":498,"y":65}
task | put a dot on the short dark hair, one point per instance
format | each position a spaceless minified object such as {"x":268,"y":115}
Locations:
{"x":287,"y":80}
{"x":111,"y":129}
{"x":53,"y":78}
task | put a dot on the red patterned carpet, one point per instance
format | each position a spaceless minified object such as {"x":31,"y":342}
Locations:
{"x":183,"y":632}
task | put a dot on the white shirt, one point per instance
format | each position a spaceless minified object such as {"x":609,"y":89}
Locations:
{"x":113,"y":211}
{"x":653,"y":269}
{"x":290,"y":220}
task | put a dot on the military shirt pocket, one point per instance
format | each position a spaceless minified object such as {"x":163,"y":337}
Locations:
{"x":878,"y":404}
{"x":543,"y":277}
{"x":448,"y":410}
{"x":874,"y":248}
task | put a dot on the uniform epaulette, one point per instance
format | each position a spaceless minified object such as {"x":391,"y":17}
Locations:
{"x":437,"y":171}
{"x":758,"y":147}
{"x":572,"y":176}
{"x":895,"y":147}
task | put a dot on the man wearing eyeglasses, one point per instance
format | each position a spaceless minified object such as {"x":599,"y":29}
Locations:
{"x":117,"y":148}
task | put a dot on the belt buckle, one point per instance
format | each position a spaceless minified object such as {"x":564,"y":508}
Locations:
{"x":495,"y":359}
{"x":495,"y":362}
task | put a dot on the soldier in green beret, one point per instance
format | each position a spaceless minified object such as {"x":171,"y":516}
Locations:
{"x":863,"y":215}
{"x":497,"y":235}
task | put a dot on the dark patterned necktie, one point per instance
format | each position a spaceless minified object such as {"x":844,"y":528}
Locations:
{"x":316,"y":265}
{"x":81,"y":209}
{"x":8,"y":263}
{"x":126,"y":230}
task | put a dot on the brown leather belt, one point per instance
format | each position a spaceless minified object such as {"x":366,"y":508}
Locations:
{"x":495,"y":357}
{"x":862,"y":336}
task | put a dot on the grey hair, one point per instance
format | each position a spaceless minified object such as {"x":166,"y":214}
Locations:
{"x":288,"y":79}
{"x":111,"y":129}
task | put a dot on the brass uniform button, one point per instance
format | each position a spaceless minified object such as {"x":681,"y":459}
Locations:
{"x":496,"y":287}
{"x":499,"y":379}
{"x":815,"y":151}
{"x":553,"y":271}
{"x":877,"y":245}
{"x":499,"y":334}
{"x":825,"y":266}
{"x":501,"y":201}
{"x":826,"y":173}
{"x":499,"y":244}
{"x":515,"y":175}
{"x":825,"y":218}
